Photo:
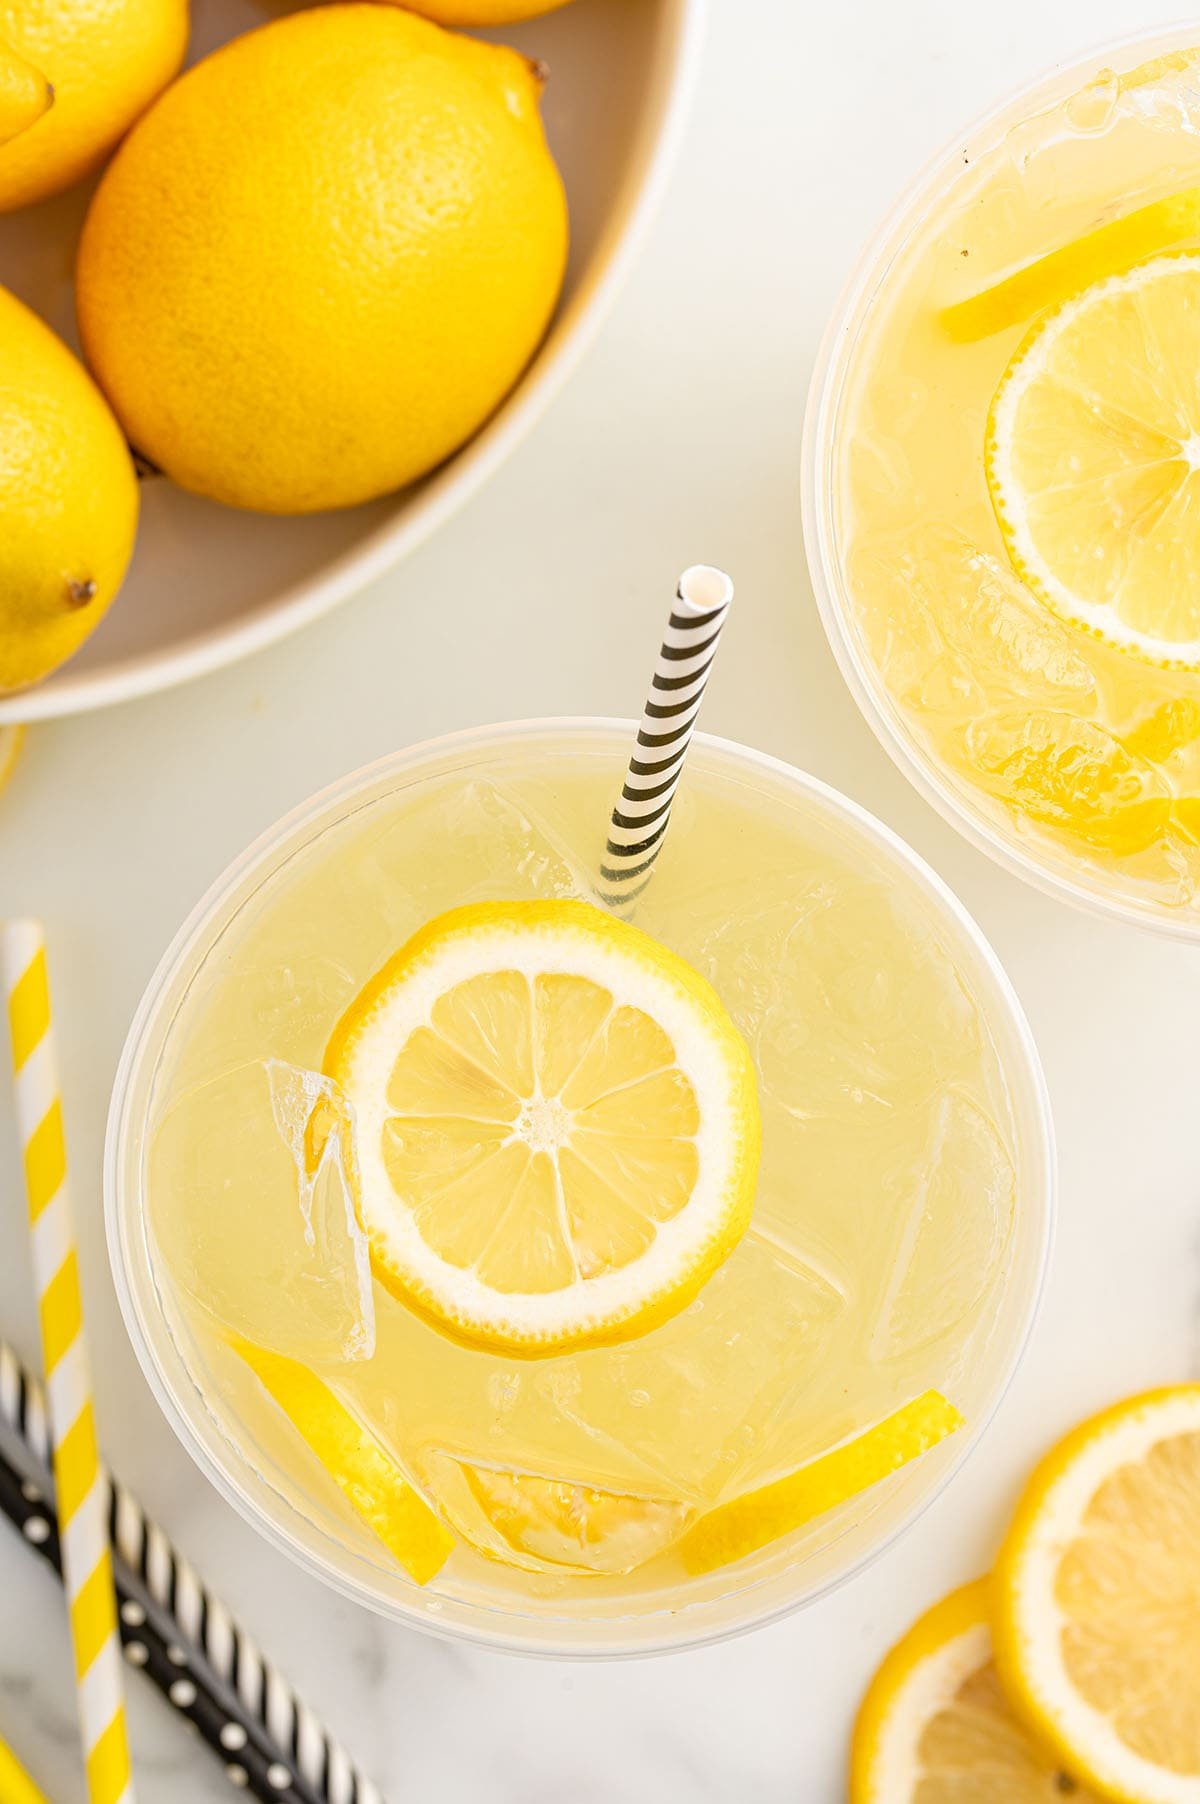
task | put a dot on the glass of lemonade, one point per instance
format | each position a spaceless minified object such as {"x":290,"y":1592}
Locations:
{"x":1002,"y":483}
{"x":638,"y":1490}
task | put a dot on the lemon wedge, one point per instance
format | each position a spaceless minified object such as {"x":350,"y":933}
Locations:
{"x":1097,"y":1600}
{"x":749,"y":1522}
{"x":363,"y":1471}
{"x":558,"y":1126}
{"x":936,"y":1728}
{"x":1093,"y":461}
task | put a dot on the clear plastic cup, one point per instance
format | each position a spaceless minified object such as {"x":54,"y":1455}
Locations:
{"x":1041,"y":863}
{"x":286,"y":1499}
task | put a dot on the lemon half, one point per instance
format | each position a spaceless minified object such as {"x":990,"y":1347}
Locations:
{"x":1093,"y":460}
{"x":935,"y":1726}
{"x":1097,"y":1599}
{"x":558,"y":1127}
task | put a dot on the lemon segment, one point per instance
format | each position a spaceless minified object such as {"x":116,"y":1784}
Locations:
{"x":1093,"y":461}
{"x":533,"y":1520}
{"x":1110,"y":249}
{"x":558,"y":1128}
{"x":749,"y":1522}
{"x":366,"y":1475}
{"x":1097,"y":1600}
{"x":935,"y":1726}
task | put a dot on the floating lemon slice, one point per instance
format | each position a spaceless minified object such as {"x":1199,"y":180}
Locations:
{"x":11,"y":739}
{"x":935,"y":1726}
{"x":1097,"y":1600}
{"x":1093,"y":461}
{"x":558,"y":1125}
{"x":1107,"y":250}
{"x":749,"y":1522}
{"x":363,"y":1471}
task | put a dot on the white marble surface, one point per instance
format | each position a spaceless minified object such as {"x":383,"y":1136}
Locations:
{"x":678,"y":440}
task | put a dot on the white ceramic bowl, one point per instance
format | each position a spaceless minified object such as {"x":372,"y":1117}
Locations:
{"x":209,"y":584}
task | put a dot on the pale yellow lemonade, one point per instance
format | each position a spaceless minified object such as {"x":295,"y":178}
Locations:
{"x":1016,"y":481}
{"x":870,"y":1274}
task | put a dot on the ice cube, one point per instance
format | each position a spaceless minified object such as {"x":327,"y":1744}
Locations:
{"x":489,"y":848}
{"x":863,"y":1001}
{"x":1071,"y":774}
{"x":962,"y":630}
{"x":534,"y":1520}
{"x":954,"y":1227}
{"x":253,"y":1211}
{"x":675,"y":1415}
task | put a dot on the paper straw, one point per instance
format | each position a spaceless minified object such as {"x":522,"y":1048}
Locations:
{"x":155,"y":1579}
{"x":16,"y":1787}
{"x":640,"y":818}
{"x":82,"y":1494}
{"x":251,"y":1761}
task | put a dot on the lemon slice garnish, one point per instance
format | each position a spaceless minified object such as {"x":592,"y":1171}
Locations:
{"x":558,"y":1126}
{"x":935,"y":1723}
{"x":1108,"y":250}
{"x":365,"y":1473}
{"x":1097,"y":1599}
{"x":1093,"y":461}
{"x":749,"y":1522}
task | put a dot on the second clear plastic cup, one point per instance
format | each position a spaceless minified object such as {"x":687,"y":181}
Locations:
{"x":1057,"y":748}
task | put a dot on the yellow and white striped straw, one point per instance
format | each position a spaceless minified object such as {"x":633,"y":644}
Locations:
{"x":16,"y":1787}
{"x":82,"y":1495}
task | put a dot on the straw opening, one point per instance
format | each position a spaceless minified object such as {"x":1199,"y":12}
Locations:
{"x":702,"y":588}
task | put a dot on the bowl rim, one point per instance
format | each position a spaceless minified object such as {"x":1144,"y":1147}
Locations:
{"x":448,"y":489}
{"x":668,"y":1630}
{"x":830,"y":368}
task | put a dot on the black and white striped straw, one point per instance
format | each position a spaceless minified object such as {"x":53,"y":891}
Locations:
{"x":269,"y":1740}
{"x":643,"y":811}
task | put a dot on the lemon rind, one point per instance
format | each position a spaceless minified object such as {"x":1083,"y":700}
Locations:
{"x":1029,"y":361}
{"x":919,"y":1677}
{"x":686,"y":1250}
{"x":1029,"y":1660}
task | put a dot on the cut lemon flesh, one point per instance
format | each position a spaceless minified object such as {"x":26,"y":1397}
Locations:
{"x":1108,"y":250}
{"x":936,"y":1728}
{"x":363,"y":1471}
{"x":531,"y":1520}
{"x":11,"y":739}
{"x":1093,"y":460}
{"x":558,"y":1126}
{"x":1097,"y":1599}
{"x":749,"y":1522}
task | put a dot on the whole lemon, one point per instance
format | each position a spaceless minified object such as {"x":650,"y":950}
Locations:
{"x":323,"y":258}
{"x":482,"y":12}
{"x":68,"y":499}
{"x":104,"y":61}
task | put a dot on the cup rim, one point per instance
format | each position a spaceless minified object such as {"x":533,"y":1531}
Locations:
{"x":841,"y":336}
{"x":665,"y":1630}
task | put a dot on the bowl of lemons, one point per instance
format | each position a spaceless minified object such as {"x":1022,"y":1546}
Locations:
{"x":280,"y":285}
